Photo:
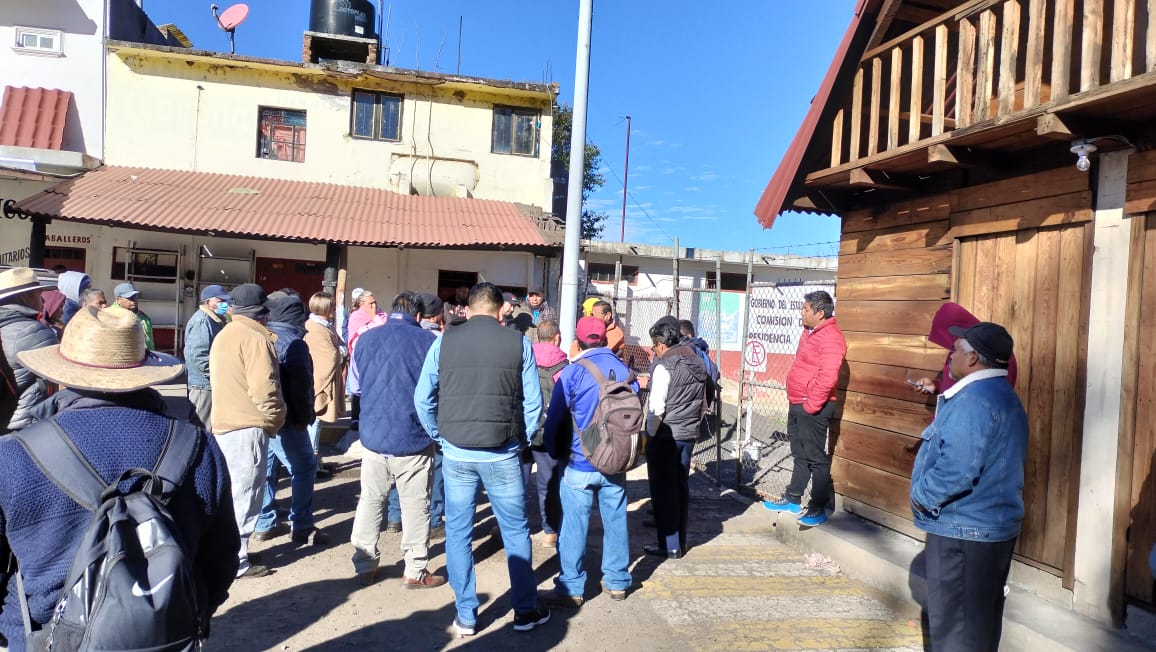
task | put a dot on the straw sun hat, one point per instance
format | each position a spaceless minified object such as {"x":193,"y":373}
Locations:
{"x":20,"y":280}
{"x":102,"y":351}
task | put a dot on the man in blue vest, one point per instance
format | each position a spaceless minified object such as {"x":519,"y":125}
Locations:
{"x":398,"y":452}
{"x":479,"y":397}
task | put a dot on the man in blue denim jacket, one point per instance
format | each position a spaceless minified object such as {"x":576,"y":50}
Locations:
{"x":966,"y":491}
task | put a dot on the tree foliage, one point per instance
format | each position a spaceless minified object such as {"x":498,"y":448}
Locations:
{"x":592,"y":222}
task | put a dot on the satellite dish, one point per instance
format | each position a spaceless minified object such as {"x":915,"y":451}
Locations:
{"x":230,"y":19}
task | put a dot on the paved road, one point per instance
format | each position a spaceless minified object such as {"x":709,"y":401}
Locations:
{"x":737,"y":589}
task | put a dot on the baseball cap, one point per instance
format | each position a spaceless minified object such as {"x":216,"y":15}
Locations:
{"x":510,"y":298}
{"x":125,"y":291}
{"x":591,"y":330}
{"x":534,"y":291}
{"x":214,"y":292}
{"x":992,"y":341}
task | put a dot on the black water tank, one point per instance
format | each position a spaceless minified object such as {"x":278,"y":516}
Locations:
{"x":343,"y":17}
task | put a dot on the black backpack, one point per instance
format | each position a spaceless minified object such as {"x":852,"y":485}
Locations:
{"x":131,"y":585}
{"x":613,"y":439}
{"x":546,"y":381}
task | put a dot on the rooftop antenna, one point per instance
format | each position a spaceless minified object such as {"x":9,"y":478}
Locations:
{"x":229,"y":20}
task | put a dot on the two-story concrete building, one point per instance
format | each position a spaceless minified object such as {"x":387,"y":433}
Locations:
{"x":226,"y":168}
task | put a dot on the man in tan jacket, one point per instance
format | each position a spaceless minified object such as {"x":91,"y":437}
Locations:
{"x":247,"y":407}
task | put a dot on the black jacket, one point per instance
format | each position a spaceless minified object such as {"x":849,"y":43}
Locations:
{"x":296,"y":373}
{"x":480,"y":385}
{"x":686,"y":397}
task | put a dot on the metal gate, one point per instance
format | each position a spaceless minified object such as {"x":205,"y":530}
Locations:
{"x":700,"y":306}
{"x":771,"y":327}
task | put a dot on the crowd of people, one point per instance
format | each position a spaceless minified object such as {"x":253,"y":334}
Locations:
{"x":449,"y":399}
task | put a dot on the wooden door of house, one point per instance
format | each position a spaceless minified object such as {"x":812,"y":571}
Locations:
{"x":1036,"y":283}
{"x":304,"y":276}
{"x":1138,"y":431}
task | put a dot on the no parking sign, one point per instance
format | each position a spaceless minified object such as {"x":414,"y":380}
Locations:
{"x":755,"y":355}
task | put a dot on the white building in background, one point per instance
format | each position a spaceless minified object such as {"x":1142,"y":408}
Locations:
{"x":52,"y":107}
{"x":227,"y":169}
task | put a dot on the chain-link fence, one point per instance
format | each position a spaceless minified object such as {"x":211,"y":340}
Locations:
{"x":771,"y":328}
{"x":701,"y":307}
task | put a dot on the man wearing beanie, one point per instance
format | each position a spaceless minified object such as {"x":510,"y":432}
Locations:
{"x":291,"y":447}
{"x":200,"y":331}
{"x":247,"y":408}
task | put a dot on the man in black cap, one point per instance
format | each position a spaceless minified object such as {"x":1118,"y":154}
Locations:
{"x":966,"y":491}
{"x":248,"y":407}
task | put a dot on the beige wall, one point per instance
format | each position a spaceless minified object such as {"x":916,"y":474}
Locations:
{"x":172,"y":114}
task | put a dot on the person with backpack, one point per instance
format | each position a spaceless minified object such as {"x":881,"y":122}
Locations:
{"x":110,"y":434}
{"x":551,"y":360}
{"x":679,"y":386}
{"x":596,"y":397}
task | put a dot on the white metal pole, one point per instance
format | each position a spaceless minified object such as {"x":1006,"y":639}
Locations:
{"x":569,"y":308}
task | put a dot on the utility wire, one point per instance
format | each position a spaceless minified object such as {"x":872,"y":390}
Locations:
{"x":630,"y":195}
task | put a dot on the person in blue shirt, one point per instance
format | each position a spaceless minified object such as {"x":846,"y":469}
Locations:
{"x":572,"y":408}
{"x":478,"y":396}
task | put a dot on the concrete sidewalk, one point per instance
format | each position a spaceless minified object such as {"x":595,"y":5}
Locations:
{"x":739,"y":588}
{"x":893,"y":564}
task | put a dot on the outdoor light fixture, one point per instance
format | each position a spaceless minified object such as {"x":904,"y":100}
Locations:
{"x":1081,"y":147}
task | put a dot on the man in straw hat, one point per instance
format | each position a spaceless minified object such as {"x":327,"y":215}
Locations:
{"x":248,"y":407}
{"x":116,"y":421}
{"x":20,"y":303}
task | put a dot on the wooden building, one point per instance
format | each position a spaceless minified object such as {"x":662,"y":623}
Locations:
{"x":946,"y":137}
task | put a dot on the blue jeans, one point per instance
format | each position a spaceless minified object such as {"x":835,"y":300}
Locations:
{"x":507,"y":492}
{"x":437,"y":500}
{"x":292,"y":449}
{"x":315,"y":435}
{"x":577,"y":491}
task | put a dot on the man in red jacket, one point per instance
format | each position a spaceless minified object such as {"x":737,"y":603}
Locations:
{"x":811,"y":393}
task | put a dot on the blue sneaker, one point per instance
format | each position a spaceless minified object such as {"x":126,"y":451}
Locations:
{"x":783,"y":505}
{"x":813,"y":517}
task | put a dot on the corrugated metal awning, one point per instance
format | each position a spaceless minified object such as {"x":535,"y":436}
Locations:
{"x":274,"y":209}
{"x":33,"y":117}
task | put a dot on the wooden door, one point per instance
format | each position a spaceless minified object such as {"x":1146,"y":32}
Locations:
{"x":1139,"y":394}
{"x":1036,"y":283}
{"x":304,"y":276}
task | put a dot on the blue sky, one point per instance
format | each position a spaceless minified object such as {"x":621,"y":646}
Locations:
{"x":716,"y":91}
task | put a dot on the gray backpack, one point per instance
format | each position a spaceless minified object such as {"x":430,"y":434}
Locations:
{"x":613,"y":441}
{"x":131,"y":585}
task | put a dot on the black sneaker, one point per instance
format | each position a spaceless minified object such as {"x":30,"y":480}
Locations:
{"x":524,"y":622}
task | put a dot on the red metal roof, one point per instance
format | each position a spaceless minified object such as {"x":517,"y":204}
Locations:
{"x":201,"y":202}
{"x":33,"y":117}
{"x":771,"y":203}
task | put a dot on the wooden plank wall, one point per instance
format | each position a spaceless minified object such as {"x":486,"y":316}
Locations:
{"x":1136,"y":532}
{"x":1016,"y":252}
